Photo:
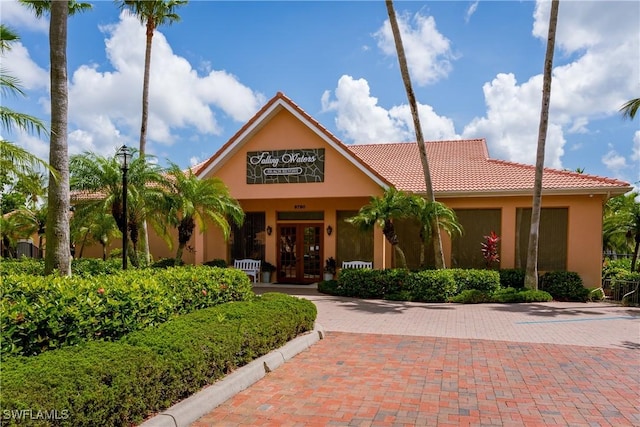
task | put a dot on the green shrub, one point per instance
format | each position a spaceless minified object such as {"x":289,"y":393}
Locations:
{"x":471,"y":296}
{"x":431,"y":285}
{"x":216,"y":263}
{"x":367,"y":283}
{"x":22,"y":265}
{"x":329,"y":287}
{"x":564,"y":286}
{"x":512,"y":278}
{"x":166,"y":263}
{"x":596,"y":294}
{"x":43,"y":313}
{"x":121,"y":383}
{"x":513,"y":295}
{"x":486,"y":281}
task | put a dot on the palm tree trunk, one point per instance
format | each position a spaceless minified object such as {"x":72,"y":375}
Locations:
{"x":634,"y":260}
{"x":401,"y":256}
{"x":58,"y":253}
{"x":144,"y":238}
{"x":531,"y":275}
{"x":404,"y":71}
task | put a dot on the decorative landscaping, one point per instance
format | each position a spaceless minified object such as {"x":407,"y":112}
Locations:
{"x":455,"y":285}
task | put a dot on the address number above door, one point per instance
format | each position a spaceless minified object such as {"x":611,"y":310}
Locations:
{"x":285,"y":166}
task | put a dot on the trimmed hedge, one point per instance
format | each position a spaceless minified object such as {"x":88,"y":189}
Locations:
{"x":39,"y":313}
{"x":564,"y":286}
{"x":401,"y":284}
{"x":466,"y":286}
{"x":121,"y":383}
{"x":512,"y":278}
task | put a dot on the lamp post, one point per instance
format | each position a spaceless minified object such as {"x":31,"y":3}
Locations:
{"x":124,"y":155}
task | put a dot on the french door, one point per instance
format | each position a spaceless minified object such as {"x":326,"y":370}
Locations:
{"x":300,"y":253}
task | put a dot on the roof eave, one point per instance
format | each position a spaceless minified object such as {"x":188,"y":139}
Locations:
{"x":603,"y":191}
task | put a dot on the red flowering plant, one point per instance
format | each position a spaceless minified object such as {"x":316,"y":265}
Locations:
{"x":490,"y":249}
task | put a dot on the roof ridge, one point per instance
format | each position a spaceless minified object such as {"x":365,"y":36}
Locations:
{"x":413,"y":142}
{"x":561,"y":171}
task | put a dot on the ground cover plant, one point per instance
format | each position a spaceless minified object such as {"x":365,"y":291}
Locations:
{"x":120,"y":383}
{"x":40,"y":313}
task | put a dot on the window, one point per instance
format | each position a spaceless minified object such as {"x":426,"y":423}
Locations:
{"x":552,"y":238}
{"x":466,"y":250}
{"x":353,"y":244}
{"x":248,"y":241}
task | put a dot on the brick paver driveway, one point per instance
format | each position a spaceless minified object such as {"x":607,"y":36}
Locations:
{"x":406,"y":364}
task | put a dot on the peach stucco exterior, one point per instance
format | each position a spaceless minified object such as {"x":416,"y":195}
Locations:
{"x":349,"y":181}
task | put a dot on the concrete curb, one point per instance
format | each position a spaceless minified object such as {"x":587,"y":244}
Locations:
{"x":189,"y":410}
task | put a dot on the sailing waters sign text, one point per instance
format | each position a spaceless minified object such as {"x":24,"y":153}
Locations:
{"x":285,"y":166}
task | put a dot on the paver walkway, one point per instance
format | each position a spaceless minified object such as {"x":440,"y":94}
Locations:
{"x":406,"y":364}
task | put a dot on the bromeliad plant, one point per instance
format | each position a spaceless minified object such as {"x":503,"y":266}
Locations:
{"x":490,"y":249}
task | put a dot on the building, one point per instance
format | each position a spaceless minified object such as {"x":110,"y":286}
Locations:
{"x":297,"y":184}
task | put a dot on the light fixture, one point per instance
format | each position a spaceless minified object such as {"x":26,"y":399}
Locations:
{"x":269,"y":230}
{"x":124,"y":155}
{"x":329,"y":230}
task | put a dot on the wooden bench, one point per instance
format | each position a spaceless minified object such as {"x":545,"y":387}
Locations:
{"x":249,"y":266}
{"x":357,"y":264}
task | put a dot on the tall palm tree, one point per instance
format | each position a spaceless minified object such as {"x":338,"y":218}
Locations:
{"x":406,"y":79}
{"x":58,"y":255}
{"x":383,"y":210}
{"x":426,"y":212}
{"x":621,"y":224}
{"x":531,"y":275}
{"x":152,"y":14}
{"x":199,"y":201}
{"x":630,"y":108}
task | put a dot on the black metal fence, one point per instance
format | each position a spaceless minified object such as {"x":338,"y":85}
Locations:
{"x":622,"y":290}
{"x":27,"y":249}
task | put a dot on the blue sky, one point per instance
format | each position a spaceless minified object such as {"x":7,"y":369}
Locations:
{"x":476,"y":69}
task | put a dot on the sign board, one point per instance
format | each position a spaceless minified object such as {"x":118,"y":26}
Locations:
{"x":285,"y":166}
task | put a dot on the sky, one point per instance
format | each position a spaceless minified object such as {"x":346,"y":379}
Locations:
{"x":476,"y":68}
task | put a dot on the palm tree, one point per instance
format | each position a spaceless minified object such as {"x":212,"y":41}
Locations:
{"x":426,"y":212}
{"x":58,"y":256}
{"x":88,"y":226}
{"x":383,"y":210}
{"x":97,"y":181}
{"x":152,"y":14}
{"x":630,"y":108}
{"x":621,"y":225}
{"x":199,"y":201}
{"x":406,"y":79}
{"x":531,"y":275}
{"x":15,"y":160}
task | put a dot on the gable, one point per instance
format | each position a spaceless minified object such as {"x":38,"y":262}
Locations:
{"x":284,"y":130}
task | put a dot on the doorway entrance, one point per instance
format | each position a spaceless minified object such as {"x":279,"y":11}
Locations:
{"x":300,"y":251}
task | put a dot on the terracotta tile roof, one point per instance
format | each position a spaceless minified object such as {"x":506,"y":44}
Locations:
{"x":461,"y":167}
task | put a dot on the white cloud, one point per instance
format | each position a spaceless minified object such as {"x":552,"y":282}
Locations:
{"x":615,"y":162}
{"x":105,"y":106}
{"x":362,"y":120}
{"x":511,"y":124}
{"x":18,"y":63}
{"x":594,"y":85}
{"x":16,"y":15}
{"x":428,"y":52}
{"x":471,"y":10}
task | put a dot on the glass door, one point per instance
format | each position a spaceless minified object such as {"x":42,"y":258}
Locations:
{"x":300,"y":253}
